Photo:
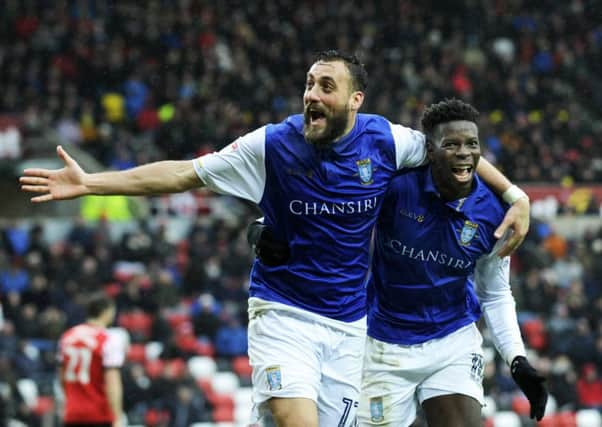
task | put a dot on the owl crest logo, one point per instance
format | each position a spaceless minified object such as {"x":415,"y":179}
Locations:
{"x":364,"y":168}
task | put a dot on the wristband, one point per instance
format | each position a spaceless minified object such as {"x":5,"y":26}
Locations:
{"x":512,"y":194}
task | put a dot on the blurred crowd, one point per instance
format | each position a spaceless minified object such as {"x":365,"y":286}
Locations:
{"x":189,"y":298}
{"x":556,"y":284}
{"x":134,"y":81}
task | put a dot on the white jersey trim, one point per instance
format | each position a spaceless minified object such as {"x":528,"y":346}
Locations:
{"x":410,"y":146}
{"x":238,"y":169}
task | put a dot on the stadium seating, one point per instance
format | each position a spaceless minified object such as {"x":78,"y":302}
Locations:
{"x":223,"y":413}
{"x":153,"y":350}
{"x":506,"y":419}
{"x":29,"y":391}
{"x":535,"y":334}
{"x":489,"y":408}
{"x":243,"y":402}
{"x":44,"y":405}
{"x":588,"y":418}
{"x":551,"y":406}
{"x":138,"y":323}
{"x":562,"y":419}
{"x":137,"y":353}
{"x":241,"y":367}
{"x":225,"y":383}
{"x":520,"y":405}
{"x":202,"y":367}
{"x":154,"y":367}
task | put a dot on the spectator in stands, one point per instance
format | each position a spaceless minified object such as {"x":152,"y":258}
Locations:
{"x":205,"y":318}
{"x":589,"y":388}
{"x":137,"y":389}
{"x":187,"y":406}
{"x":14,"y":279}
{"x":27,"y":323}
{"x":231,"y":337}
{"x":562,"y":382}
{"x":581,"y":344}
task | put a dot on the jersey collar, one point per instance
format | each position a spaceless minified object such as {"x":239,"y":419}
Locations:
{"x":464,"y":204}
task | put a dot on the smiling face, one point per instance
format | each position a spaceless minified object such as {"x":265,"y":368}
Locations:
{"x":330,"y":102}
{"x":454,"y":151}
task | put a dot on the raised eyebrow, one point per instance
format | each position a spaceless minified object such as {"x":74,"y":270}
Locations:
{"x":323,"y":79}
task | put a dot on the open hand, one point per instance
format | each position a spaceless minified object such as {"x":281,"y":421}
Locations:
{"x":57,"y":184}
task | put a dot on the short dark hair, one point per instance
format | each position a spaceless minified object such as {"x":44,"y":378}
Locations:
{"x":359,"y":75}
{"x":96,"y":304}
{"x":446,"y":111}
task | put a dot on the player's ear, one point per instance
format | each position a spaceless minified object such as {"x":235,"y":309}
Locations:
{"x":430,"y":147}
{"x":356,"y":100}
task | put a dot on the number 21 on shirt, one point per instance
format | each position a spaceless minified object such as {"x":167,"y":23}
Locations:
{"x":77,"y":366}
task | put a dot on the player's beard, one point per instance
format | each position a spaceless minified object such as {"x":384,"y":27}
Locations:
{"x":335,"y":127}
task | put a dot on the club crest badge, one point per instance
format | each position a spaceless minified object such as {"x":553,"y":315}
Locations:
{"x":377,"y":413}
{"x":364,"y":168}
{"x":274,"y":378}
{"x":468,"y":232}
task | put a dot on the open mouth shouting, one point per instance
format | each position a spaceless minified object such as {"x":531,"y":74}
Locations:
{"x":463,"y":173}
{"x":315,"y":116}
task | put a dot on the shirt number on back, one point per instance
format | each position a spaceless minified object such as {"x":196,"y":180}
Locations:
{"x":78,"y":364}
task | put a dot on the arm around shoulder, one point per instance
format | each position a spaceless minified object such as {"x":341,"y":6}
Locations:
{"x":518,"y":216}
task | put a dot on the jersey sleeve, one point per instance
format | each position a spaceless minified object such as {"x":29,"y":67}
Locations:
{"x":410,"y":146}
{"x":238,"y":169}
{"x":114,"y":349}
{"x":492,"y":275}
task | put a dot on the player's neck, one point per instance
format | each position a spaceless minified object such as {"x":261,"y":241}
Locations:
{"x":348,"y":129}
{"x":95,"y":322}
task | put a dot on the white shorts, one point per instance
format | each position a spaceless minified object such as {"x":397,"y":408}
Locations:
{"x":396,"y":378}
{"x":294,"y":356}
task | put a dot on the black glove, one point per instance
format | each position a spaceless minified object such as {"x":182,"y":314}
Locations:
{"x":531,"y":383}
{"x":270,"y":251}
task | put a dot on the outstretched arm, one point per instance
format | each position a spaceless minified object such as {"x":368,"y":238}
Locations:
{"x":517,"y":218}
{"x":72,"y":181}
